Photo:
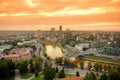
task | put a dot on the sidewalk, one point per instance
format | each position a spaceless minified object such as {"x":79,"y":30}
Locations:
{"x":17,"y":75}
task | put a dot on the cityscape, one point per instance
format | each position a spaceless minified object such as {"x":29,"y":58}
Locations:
{"x":59,"y":40}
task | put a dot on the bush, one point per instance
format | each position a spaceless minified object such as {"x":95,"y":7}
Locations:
{"x":36,"y":73}
{"x":56,"y":70}
{"x":61,"y":74}
{"x":77,"y":73}
{"x":49,"y":73}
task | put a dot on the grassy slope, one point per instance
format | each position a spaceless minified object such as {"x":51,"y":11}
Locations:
{"x":101,"y":59}
{"x":70,"y":50}
{"x":26,"y":76}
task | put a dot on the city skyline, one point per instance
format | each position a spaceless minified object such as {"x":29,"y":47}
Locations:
{"x":44,"y":15}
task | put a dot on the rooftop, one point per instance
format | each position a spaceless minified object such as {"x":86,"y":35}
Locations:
{"x":17,"y":55}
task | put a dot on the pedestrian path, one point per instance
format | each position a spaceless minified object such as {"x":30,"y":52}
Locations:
{"x":17,"y":75}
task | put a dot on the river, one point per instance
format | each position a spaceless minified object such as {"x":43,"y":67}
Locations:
{"x":53,"y":51}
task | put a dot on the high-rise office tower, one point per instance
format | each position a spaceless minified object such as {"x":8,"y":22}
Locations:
{"x":52,"y":33}
{"x":60,"y":31}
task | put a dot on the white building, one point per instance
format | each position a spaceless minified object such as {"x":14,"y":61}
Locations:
{"x":3,"y":47}
{"x":27,"y":42}
{"x":81,"y":46}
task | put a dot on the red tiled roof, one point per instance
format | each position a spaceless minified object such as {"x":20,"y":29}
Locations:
{"x":17,"y":55}
{"x":70,"y":78}
{"x":24,"y":53}
{"x":11,"y":55}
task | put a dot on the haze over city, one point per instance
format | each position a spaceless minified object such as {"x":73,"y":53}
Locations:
{"x":74,"y":14}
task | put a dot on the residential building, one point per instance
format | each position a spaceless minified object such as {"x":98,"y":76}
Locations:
{"x":18,"y":57}
{"x":20,"y":50}
{"x":3,"y":47}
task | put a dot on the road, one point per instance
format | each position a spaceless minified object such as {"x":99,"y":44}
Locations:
{"x":73,"y":70}
{"x":39,"y":47}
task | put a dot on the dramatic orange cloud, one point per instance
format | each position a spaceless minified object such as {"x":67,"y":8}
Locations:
{"x":74,"y":14}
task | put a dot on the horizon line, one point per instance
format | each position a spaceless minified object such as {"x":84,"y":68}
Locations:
{"x":65,"y":30}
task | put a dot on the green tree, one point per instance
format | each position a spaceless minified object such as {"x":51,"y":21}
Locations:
{"x":4,"y":69}
{"x":23,"y":66}
{"x":100,"y":67}
{"x":56,"y":70}
{"x":114,"y":66}
{"x":32,"y":67}
{"x":87,"y":77}
{"x":73,"y":64}
{"x":61,"y":74}
{"x":36,"y":73}
{"x":38,"y":63}
{"x":109,"y":68}
{"x":77,"y":73}
{"x":114,"y":75}
{"x":89,"y":65}
{"x":105,"y":67}
{"x":45,"y":55}
{"x":59,"y":60}
{"x":104,"y":77}
{"x":7,"y":68}
{"x":49,"y":73}
{"x":118,"y":68}
{"x":6,"y":51}
{"x":11,"y":67}
{"x":67,"y":62}
{"x":34,"y":48}
{"x":90,"y":76}
{"x":82,"y":65}
{"x":37,"y":66}
{"x":93,"y":75}
{"x":96,"y":66}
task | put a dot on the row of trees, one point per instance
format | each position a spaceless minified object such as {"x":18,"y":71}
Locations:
{"x":99,"y":67}
{"x":65,"y":62}
{"x":114,"y":74}
{"x":68,"y":62}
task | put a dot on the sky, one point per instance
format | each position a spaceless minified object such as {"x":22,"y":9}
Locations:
{"x":74,"y":14}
